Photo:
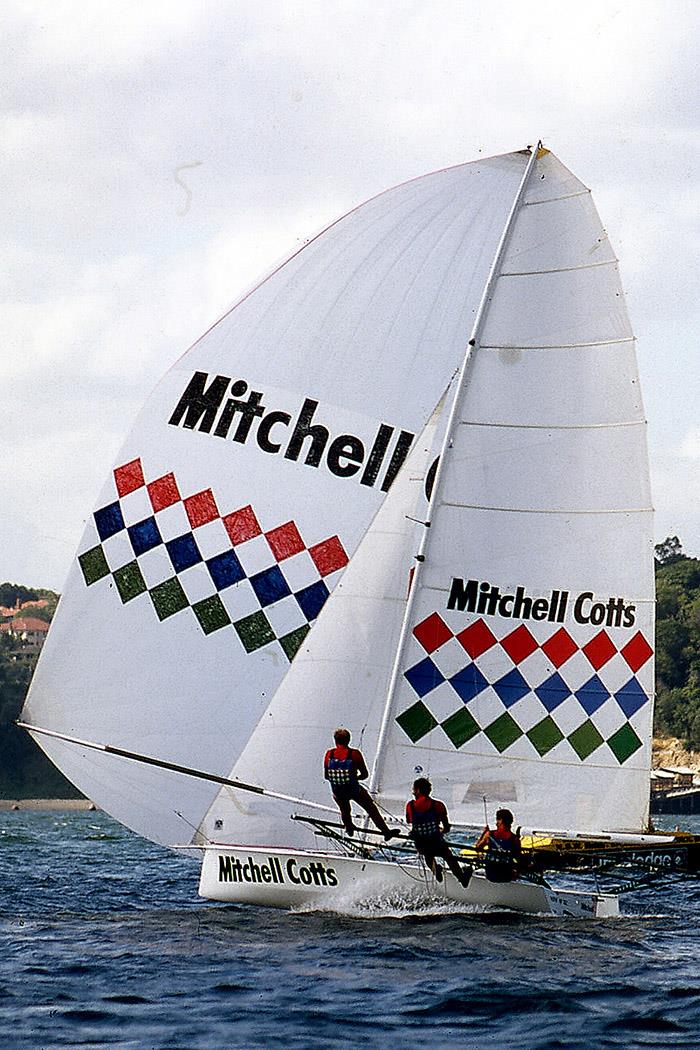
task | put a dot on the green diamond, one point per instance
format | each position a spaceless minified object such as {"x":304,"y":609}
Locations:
{"x":292,"y":641}
{"x":585,"y":739}
{"x":211,"y":614}
{"x":94,"y":565}
{"x":168,"y":598}
{"x":254,"y":631}
{"x":130,"y":583}
{"x":624,"y":743}
{"x":503,"y":732}
{"x":545,"y":735}
{"x":460,"y":727}
{"x":416,"y":721}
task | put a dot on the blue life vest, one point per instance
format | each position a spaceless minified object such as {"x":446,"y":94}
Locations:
{"x":425,"y":826}
{"x":500,"y":862}
{"x":341,"y":771}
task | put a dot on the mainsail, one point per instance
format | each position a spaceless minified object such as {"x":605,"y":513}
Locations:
{"x":247,"y":483}
{"x":523,"y":674}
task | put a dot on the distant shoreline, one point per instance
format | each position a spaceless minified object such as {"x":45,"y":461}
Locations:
{"x":35,"y":805}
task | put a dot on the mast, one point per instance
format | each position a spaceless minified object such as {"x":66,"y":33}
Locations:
{"x":481,"y":315}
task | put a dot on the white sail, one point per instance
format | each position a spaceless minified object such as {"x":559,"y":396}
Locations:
{"x":526,"y":667}
{"x":527,"y":670}
{"x":248,"y":481}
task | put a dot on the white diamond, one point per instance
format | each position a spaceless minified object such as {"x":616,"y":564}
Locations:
{"x":118,"y":550}
{"x":155,"y":566}
{"x":196,"y":583}
{"x":136,"y":506}
{"x":285,"y":616}
{"x":173,"y":522}
{"x":240,"y":600}
{"x":255,"y":555}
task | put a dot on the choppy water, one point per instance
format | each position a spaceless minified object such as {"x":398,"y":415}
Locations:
{"x":104,"y":943}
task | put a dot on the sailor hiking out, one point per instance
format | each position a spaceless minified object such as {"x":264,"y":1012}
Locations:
{"x":344,"y":767}
{"x":429,"y":824}
{"x":503,"y":852}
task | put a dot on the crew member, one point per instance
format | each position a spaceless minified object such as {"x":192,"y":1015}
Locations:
{"x":344,"y":768}
{"x":503,"y":854}
{"x":429,"y":824}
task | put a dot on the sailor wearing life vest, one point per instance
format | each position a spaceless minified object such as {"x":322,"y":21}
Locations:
{"x":429,"y":824}
{"x":502,"y":849}
{"x":344,"y":768}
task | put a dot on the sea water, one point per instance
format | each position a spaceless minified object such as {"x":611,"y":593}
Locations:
{"x":104,"y":943}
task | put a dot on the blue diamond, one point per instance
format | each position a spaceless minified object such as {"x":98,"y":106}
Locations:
{"x":512,"y":687}
{"x":225,"y":570}
{"x":144,"y":536}
{"x":109,"y":520}
{"x":468,"y":682}
{"x":631,"y":697}
{"x":270,"y":585}
{"x":553,"y":692}
{"x":183,"y":552}
{"x":424,"y":676}
{"x":312,"y":599}
{"x":592,"y":695}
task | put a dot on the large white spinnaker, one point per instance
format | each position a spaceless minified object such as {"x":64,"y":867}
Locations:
{"x":526,"y":669}
{"x":247,"y":482}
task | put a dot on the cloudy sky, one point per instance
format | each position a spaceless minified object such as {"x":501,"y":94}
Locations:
{"x":158,"y":156}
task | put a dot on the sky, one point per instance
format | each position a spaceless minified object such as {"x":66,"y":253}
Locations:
{"x":159,"y":157}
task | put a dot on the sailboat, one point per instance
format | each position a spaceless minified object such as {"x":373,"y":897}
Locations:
{"x":401,"y":486}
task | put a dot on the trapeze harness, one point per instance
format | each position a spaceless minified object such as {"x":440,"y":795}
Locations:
{"x":342,"y":774}
{"x":501,"y":856}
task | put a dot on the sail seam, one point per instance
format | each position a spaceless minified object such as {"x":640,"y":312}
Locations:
{"x":554,"y":426}
{"x":542,"y":510}
{"x":558,"y":346}
{"x":559,"y":269}
{"x":563,"y":197}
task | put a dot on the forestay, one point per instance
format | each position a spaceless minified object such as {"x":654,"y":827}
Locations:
{"x":247,"y":483}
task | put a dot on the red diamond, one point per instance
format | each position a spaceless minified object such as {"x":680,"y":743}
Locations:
{"x":201,"y":508}
{"x":163,"y":492}
{"x":559,"y":647}
{"x":432,"y":632}
{"x":637,"y":651}
{"x":285,"y":541}
{"x":242,"y":525}
{"x":599,"y":650}
{"x":476,"y":638}
{"x":129,"y":477}
{"x":329,"y":556}
{"x":519,"y":644}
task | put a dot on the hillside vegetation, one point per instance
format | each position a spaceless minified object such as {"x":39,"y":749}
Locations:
{"x":25,"y":772}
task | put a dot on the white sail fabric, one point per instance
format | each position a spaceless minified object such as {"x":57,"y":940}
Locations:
{"x":527,"y":674}
{"x":340,"y":675}
{"x":248,"y":481}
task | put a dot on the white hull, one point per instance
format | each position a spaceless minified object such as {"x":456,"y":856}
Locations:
{"x":283,"y":878}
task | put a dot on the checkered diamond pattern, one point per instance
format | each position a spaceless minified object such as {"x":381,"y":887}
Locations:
{"x":555,"y":693}
{"x":263,"y":584}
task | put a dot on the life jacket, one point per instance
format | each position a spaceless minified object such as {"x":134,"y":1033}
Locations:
{"x":342,"y":772}
{"x":501,"y":856}
{"x":424,"y":824}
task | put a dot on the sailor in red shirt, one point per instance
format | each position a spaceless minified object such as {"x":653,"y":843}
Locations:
{"x":343,"y":768}
{"x":429,"y":824}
